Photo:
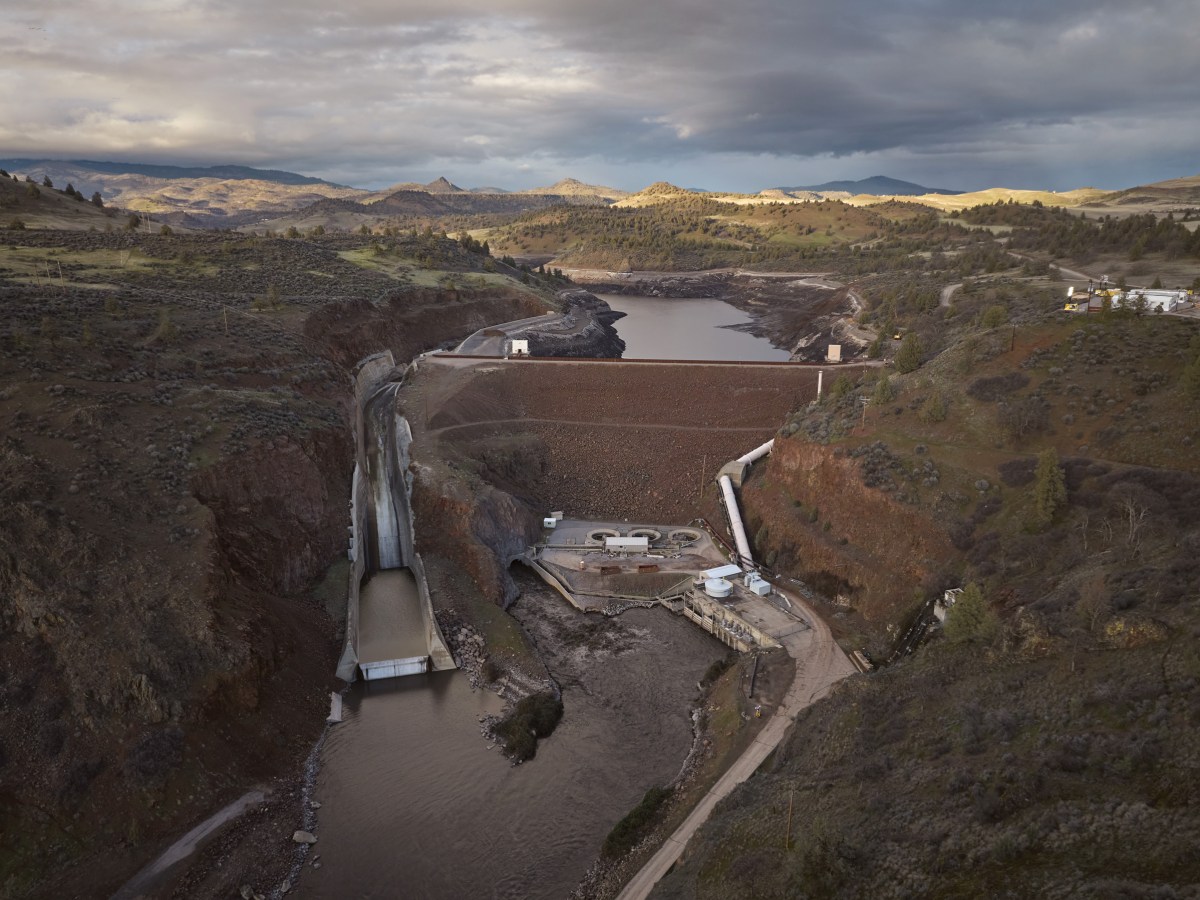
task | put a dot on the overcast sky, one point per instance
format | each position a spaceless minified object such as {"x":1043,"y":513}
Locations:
{"x":717,"y":94}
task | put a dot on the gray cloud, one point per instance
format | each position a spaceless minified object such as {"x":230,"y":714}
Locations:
{"x":734,"y":96}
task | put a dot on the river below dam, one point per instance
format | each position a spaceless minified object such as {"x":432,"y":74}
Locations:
{"x":687,"y":328}
{"x":414,"y":804}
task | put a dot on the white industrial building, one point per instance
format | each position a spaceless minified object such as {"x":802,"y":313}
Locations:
{"x":1154,"y":299}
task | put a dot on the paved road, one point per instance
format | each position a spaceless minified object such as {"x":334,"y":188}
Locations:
{"x":144,"y":882}
{"x":764,"y":430}
{"x":480,"y":344}
{"x":820,"y":663}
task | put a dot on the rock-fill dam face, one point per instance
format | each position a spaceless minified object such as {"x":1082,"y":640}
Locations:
{"x":390,"y":627}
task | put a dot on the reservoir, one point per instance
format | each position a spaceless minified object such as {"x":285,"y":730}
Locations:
{"x":676,"y":328}
{"x":414,"y":804}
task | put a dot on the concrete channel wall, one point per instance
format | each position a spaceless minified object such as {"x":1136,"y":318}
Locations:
{"x":366,"y":531}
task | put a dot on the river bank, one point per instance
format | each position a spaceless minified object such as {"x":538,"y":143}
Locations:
{"x":414,"y":799}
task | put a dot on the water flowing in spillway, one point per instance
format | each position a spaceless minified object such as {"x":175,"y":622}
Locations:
{"x":389,"y":616}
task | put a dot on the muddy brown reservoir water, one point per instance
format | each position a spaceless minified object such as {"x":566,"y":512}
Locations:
{"x":691,"y":328}
{"x":415,"y":805}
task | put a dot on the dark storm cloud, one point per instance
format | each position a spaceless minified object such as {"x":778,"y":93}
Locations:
{"x":955,"y":91}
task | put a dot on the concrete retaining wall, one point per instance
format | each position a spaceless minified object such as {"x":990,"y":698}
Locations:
{"x":439,"y":653}
{"x":724,"y":624}
{"x":348,"y":662}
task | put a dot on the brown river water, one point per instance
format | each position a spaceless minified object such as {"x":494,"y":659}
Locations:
{"x":415,"y":805}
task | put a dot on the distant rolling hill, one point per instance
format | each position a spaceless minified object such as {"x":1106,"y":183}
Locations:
{"x":224,"y":173}
{"x":580,"y":192}
{"x":25,"y":205}
{"x":876,"y":185}
{"x":1161,"y":196}
{"x":233,"y":196}
{"x":221,"y":197}
{"x":951,"y":202}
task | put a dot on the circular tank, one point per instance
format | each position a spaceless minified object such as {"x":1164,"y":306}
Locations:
{"x":597,"y":535}
{"x":649,"y":533}
{"x":718,"y":587}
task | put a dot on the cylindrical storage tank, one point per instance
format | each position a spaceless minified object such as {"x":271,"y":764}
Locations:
{"x":718,"y":587}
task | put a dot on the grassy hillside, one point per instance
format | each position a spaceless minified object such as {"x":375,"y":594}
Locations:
{"x":1043,"y":744}
{"x":671,"y":229}
{"x":1162,"y":196}
{"x":29,"y":204}
{"x":949,"y":202}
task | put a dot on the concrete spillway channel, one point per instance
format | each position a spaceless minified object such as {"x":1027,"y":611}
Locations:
{"x":390,"y":628}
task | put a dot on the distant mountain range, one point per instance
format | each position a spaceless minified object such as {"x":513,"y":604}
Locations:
{"x":876,"y":185}
{"x":225,"y":173}
{"x":233,"y":196}
{"x":236,"y":196}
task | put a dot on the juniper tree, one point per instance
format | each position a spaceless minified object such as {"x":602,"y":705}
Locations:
{"x":908,"y":359}
{"x":1049,"y":489}
{"x":971,"y":618}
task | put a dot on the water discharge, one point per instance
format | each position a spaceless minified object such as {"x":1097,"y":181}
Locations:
{"x":414,"y":804}
{"x":698,"y":328}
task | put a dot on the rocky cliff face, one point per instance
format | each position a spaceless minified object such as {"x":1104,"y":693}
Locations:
{"x":479,"y":527}
{"x":588,"y":331}
{"x":414,"y":321}
{"x":279,"y":510}
{"x":812,"y":513}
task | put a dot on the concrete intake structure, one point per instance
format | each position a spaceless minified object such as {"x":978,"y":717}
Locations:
{"x":734,"y":473}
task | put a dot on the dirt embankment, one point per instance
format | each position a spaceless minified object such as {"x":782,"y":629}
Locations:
{"x":499,"y":446}
{"x":812,"y":515}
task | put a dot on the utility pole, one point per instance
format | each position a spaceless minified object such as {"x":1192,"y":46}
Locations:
{"x":225,"y":313}
{"x":787,"y":839}
{"x":703,"y":469}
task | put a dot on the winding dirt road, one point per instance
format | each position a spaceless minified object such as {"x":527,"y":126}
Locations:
{"x":820,"y":663}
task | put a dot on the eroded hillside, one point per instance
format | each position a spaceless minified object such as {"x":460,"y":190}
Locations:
{"x":1044,"y":744}
{"x":174,"y":470}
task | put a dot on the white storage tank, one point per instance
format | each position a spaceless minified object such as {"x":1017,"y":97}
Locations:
{"x":718,"y":587}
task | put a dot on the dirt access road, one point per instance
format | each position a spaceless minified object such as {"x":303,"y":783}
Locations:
{"x":820,"y":663}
